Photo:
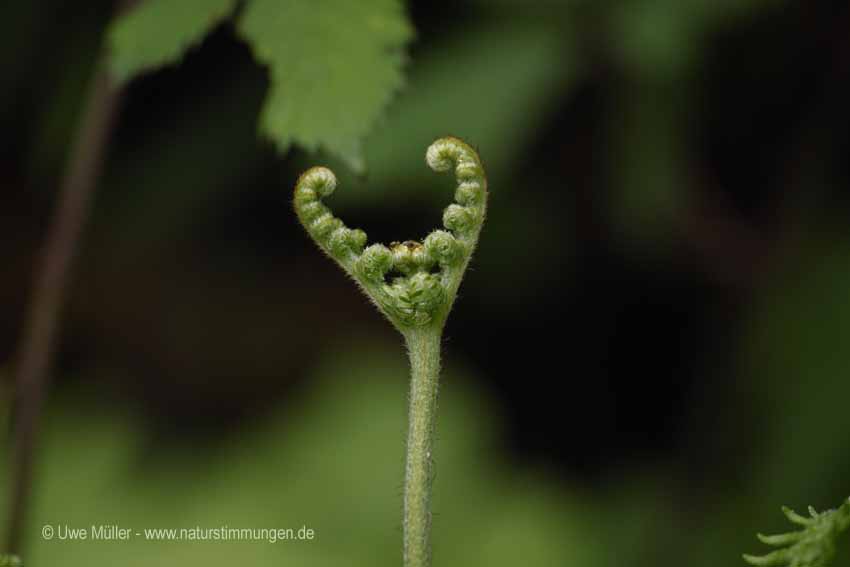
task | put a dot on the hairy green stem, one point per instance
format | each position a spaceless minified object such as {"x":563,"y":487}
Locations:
{"x":423,"y":347}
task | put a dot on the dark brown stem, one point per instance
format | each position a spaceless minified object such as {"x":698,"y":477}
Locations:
{"x":51,"y":280}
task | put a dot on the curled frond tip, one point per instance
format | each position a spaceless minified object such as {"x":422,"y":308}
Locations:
{"x":413,"y":283}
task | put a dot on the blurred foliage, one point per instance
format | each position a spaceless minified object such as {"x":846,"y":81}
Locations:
{"x":334,"y":65}
{"x":797,"y":358}
{"x":329,"y":458}
{"x":329,"y":463}
{"x":659,"y":40}
{"x":159,"y":32}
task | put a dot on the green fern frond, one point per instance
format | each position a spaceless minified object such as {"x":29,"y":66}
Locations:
{"x":813,"y":546}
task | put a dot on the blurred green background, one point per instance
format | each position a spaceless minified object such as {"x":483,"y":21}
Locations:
{"x":647,"y":359}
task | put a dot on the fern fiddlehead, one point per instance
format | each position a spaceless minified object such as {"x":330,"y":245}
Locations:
{"x":813,"y":545}
{"x":417,"y":297}
{"x":414,"y":284}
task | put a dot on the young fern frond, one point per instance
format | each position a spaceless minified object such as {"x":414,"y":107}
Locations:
{"x":812,"y":546}
{"x":414,"y":284}
{"x":429,"y":272}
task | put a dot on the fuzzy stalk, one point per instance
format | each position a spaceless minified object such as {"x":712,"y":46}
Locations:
{"x":423,"y":346}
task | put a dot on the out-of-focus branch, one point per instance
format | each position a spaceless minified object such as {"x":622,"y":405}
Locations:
{"x":51,"y":281}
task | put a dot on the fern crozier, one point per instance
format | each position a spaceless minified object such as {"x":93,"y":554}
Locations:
{"x":413,"y":283}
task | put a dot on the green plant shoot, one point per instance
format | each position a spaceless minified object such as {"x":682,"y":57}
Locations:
{"x":414,"y":284}
{"x":812,"y":546}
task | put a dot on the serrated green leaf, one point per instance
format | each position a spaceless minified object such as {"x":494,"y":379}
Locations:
{"x":459,"y":86}
{"x":158,"y":32}
{"x":334,"y":67}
